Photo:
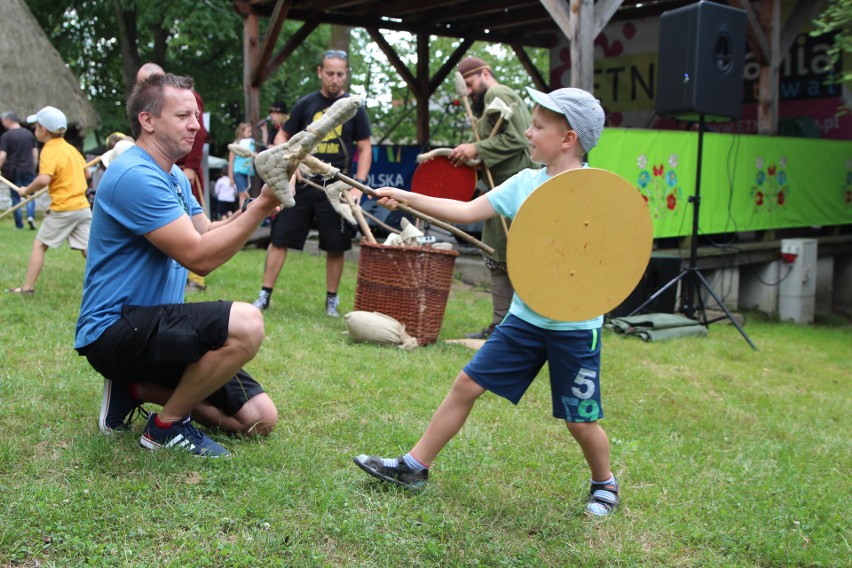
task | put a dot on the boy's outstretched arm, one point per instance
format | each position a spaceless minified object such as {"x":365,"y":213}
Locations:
{"x":445,"y":209}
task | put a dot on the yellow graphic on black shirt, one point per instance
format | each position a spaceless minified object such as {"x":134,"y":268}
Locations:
{"x":331,"y":143}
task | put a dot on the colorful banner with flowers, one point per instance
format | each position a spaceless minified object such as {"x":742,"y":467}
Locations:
{"x":748,"y":182}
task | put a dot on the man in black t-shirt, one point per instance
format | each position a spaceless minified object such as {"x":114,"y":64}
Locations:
{"x":18,"y":157}
{"x":346,"y":146}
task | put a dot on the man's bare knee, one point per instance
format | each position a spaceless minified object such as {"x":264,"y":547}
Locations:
{"x":258,"y":416}
{"x":245,"y":327}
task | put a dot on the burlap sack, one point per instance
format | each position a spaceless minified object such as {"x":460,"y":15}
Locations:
{"x":373,"y":327}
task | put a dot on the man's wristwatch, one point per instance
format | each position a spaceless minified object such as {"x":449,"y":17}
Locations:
{"x":360,"y":180}
{"x":245,"y":203}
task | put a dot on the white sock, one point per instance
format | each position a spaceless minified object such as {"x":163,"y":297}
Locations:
{"x":412,"y":462}
{"x":607,"y":482}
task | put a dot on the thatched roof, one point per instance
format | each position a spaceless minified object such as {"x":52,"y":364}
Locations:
{"x":34,"y":75}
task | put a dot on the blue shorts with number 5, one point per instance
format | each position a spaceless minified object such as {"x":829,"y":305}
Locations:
{"x":515,"y":353}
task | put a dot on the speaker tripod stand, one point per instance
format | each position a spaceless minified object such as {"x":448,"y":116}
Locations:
{"x":690,"y":277}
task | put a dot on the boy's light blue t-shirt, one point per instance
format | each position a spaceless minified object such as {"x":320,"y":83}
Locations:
{"x":507,"y":199}
{"x":135,"y":196}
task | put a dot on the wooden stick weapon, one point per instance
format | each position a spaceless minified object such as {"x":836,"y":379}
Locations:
{"x":461,"y":90}
{"x":276,"y":165}
{"x":364,"y":212}
{"x":322,"y":168}
{"x":32,"y":197}
{"x":356,"y":210}
{"x":92,"y":162}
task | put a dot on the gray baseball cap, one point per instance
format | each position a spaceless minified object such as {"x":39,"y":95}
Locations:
{"x":51,"y":118}
{"x":583,"y":112}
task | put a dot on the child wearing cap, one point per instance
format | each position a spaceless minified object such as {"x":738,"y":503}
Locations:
{"x":566,"y":125}
{"x":62,"y":170}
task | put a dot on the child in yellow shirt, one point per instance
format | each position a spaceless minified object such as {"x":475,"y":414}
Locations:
{"x":62,"y":170}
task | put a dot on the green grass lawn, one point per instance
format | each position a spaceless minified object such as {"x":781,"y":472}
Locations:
{"x":726,"y":456}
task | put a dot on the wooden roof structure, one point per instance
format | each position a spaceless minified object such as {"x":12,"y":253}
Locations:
{"x":515,"y":23}
{"x":523,"y":22}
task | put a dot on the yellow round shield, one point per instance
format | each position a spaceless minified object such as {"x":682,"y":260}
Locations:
{"x":579,"y":244}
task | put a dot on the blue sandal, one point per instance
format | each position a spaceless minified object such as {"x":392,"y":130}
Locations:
{"x":603,"y":499}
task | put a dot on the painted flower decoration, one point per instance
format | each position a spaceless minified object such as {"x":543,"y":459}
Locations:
{"x":758,"y":198}
{"x":782,"y":178}
{"x":848,"y":197}
{"x":759,"y":163}
{"x":644,"y":178}
{"x":673,"y":160}
{"x":671,"y":201}
{"x":658,"y":170}
{"x":671,"y":178}
{"x":642,"y":161}
{"x":761,"y":177}
{"x":782,"y":162}
{"x":781,"y":198}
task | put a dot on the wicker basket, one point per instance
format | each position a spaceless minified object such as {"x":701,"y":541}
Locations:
{"x":409,"y":284}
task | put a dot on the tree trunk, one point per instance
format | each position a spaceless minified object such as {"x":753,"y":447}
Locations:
{"x":161,"y":44}
{"x":128,"y":40}
{"x":340,"y":38}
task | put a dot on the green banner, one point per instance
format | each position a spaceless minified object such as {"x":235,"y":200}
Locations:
{"x":748,"y":182}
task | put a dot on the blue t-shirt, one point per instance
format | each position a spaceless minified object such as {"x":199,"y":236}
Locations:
{"x":135,"y":196}
{"x":507,"y":199}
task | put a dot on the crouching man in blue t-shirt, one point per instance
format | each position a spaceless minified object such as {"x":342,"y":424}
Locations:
{"x":134,"y":328}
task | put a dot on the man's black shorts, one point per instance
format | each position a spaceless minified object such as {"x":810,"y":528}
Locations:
{"x":155,"y":344}
{"x":291,"y":226}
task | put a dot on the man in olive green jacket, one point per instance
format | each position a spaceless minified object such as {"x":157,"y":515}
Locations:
{"x":503,"y":155}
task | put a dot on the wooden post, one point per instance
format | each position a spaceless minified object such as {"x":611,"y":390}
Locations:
{"x":582,"y":44}
{"x":251,"y":40}
{"x":577,"y":22}
{"x":767,"y":108}
{"x":422,"y":89}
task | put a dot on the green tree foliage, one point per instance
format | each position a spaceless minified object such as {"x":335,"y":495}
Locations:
{"x":200,"y":39}
{"x":83,"y":32}
{"x":104,"y":41}
{"x":837,"y":17}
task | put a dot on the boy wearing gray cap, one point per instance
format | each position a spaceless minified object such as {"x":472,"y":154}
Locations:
{"x":566,"y":125}
{"x":62,"y":169}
